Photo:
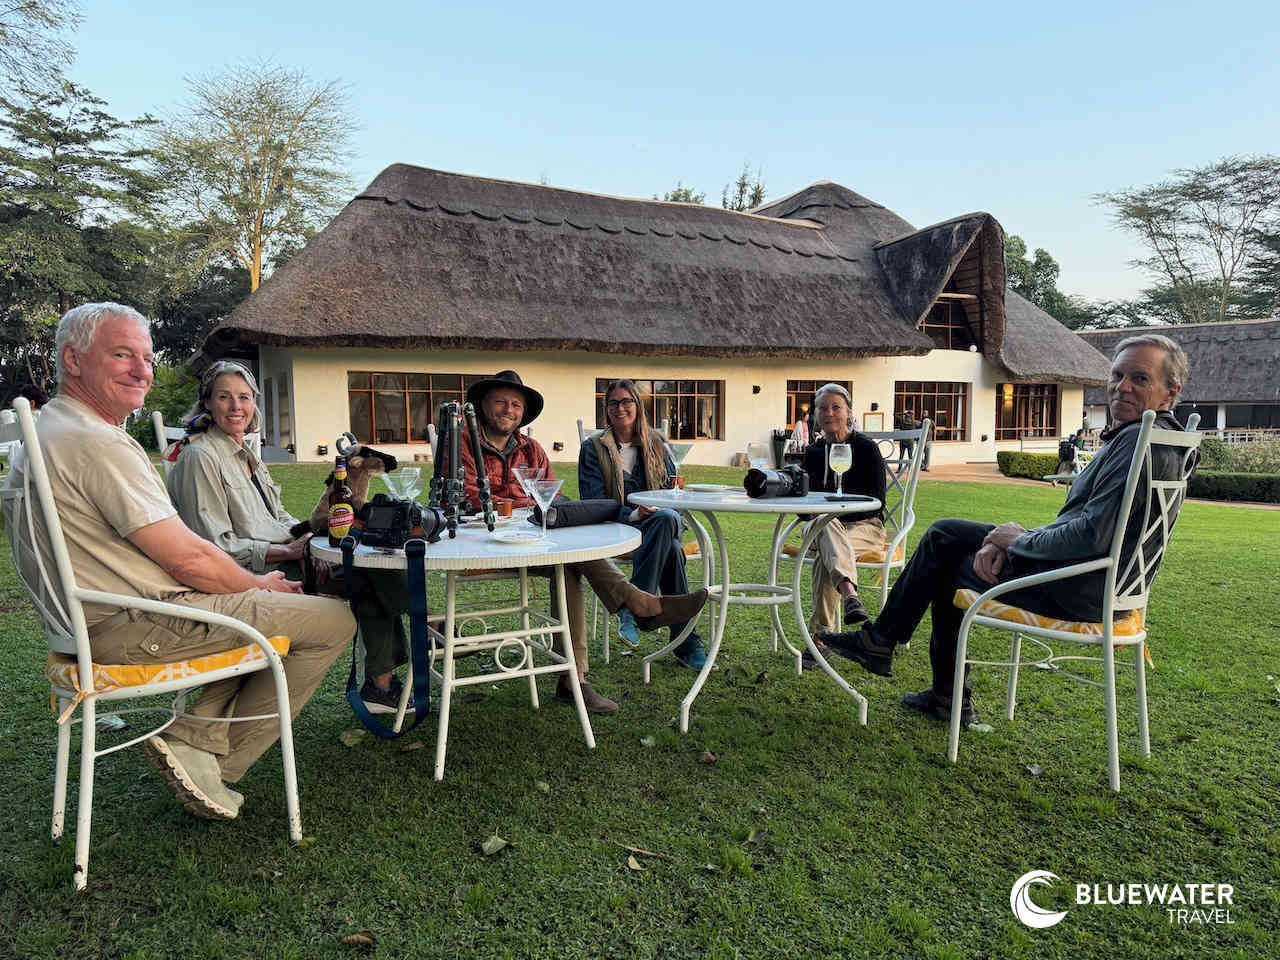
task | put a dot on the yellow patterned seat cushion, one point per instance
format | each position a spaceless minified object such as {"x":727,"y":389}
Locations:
{"x":691,"y":548}
{"x":1129,"y":625}
{"x":871,"y":556}
{"x":64,"y":672}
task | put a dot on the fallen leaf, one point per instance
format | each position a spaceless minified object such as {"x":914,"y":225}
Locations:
{"x":760,"y":811}
{"x":307,"y":842}
{"x":642,"y":851}
{"x":762,"y":676}
{"x":364,"y":938}
{"x":351,"y":737}
{"x":633,"y":863}
{"x":410,"y":747}
{"x":755,"y":835}
{"x":648,"y":741}
{"x":981,"y":727}
{"x":266,"y":874}
{"x":493,"y":845}
{"x":710,"y":868}
{"x":542,"y":786}
{"x":1034,"y":769}
{"x":707,"y":757}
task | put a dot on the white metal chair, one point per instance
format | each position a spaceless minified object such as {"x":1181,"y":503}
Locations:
{"x":902,"y":478}
{"x":1127,"y":588}
{"x":584,"y":434}
{"x":10,"y":439}
{"x":29,"y":508}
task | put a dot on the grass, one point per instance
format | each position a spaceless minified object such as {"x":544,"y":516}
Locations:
{"x":809,"y":835}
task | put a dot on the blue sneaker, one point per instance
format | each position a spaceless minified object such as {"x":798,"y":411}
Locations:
{"x":691,"y":653}
{"x":628,"y":631}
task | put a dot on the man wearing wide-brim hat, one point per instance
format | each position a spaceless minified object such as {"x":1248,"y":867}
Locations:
{"x":504,"y":404}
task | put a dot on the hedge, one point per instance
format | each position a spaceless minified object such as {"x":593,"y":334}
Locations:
{"x":1220,"y":485}
{"x":1016,"y":463}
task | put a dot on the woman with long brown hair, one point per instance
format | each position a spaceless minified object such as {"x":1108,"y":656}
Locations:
{"x":629,"y":456}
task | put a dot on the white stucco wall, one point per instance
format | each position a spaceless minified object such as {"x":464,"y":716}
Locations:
{"x":567,"y":381}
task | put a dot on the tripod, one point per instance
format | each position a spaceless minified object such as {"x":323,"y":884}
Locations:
{"x":446,"y":478}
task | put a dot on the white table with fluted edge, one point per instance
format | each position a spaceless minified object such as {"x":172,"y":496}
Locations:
{"x":773,"y":595}
{"x":474,"y":549}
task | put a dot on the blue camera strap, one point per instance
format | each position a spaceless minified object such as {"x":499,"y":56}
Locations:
{"x":419,"y":652}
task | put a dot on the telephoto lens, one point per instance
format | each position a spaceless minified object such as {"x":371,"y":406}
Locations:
{"x":790,"y":481}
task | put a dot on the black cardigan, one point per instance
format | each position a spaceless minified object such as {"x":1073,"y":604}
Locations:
{"x":866,"y":476}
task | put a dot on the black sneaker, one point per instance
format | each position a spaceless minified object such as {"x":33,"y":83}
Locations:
{"x":854,"y":612}
{"x":864,"y":647}
{"x":384,"y":701}
{"x":939,"y":707}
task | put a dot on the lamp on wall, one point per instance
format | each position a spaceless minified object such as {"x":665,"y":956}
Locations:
{"x":874,"y":406}
{"x":322,"y":449}
{"x":755,"y":388}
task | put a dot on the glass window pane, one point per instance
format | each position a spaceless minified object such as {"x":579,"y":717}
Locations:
{"x":687,"y":419}
{"x":358,"y":404}
{"x":394,"y":381}
{"x":419,"y":381}
{"x":664,"y":387}
{"x":357,"y":381}
{"x":601,"y":383}
{"x":446,"y":381}
{"x":389,"y":422}
{"x":687,"y":386}
{"x":711,"y":387}
{"x":419,"y":416}
{"x":706,"y":417}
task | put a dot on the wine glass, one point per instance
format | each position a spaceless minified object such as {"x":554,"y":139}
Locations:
{"x":543,"y":492}
{"x":405,"y":483}
{"x":679,"y":453}
{"x":840,"y":458}
{"x":525,"y":475}
{"x":758,"y":455}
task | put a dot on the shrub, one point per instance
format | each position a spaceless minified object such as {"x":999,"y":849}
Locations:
{"x":1016,"y":463}
{"x":173,"y":391}
{"x":1221,"y":485}
{"x":1261,"y":456}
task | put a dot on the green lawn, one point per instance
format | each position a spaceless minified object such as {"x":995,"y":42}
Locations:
{"x":809,"y":835}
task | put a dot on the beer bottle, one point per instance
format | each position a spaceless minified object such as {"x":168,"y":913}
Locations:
{"x":341,"y":507}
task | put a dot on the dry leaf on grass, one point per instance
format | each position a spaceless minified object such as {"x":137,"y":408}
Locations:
{"x":365,"y":938}
{"x":642,"y":851}
{"x":633,"y":863}
{"x":307,"y":842}
{"x":756,"y":835}
{"x":493,"y":845}
{"x":542,"y":786}
{"x":707,"y":757}
{"x":1034,"y":769}
{"x":648,"y":741}
{"x":350,"y":738}
{"x":415,"y":745}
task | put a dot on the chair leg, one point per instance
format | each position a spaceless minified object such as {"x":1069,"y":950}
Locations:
{"x":1144,"y":731}
{"x":524,"y":625}
{"x":84,"y":806}
{"x":287,"y":763}
{"x":1011,"y":694}
{"x":1109,"y":692}
{"x":957,"y":692}
{"x":446,"y":674}
{"x":61,"y":761}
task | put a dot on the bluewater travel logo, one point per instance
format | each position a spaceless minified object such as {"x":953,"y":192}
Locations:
{"x":1185,"y":903}
{"x":1025,"y":909}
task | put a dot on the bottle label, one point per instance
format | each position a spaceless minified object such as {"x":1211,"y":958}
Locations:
{"x":341,"y":517}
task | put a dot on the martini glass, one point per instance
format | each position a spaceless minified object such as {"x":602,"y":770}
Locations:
{"x":525,"y":475}
{"x":405,"y":483}
{"x":679,"y":453}
{"x":543,"y":492}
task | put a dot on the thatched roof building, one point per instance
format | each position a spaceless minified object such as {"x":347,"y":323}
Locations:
{"x":1231,"y":363}
{"x":425,"y":259}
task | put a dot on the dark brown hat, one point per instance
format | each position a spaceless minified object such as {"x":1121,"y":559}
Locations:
{"x":510,"y":379}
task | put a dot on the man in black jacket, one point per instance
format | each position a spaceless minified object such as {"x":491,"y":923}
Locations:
{"x":1147,"y":373}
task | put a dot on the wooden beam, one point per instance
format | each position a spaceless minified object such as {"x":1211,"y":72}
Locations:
{"x":957,"y":296}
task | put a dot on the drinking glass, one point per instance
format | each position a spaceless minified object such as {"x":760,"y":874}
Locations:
{"x":679,"y":452}
{"x":840,"y":458}
{"x":405,"y":483}
{"x":526,"y":474}
{"x":758,"y":455}
{"x":543,"y":492}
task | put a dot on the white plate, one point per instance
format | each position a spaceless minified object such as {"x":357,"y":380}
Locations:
{"x":516,"y":537}
{"x":713,"y":488}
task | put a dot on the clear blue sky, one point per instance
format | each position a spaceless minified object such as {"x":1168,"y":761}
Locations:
{"x":1024,"y":110}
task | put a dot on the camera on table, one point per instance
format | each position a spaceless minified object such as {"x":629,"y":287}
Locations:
{"x":790,"y":481}
{"x":388,"y":522}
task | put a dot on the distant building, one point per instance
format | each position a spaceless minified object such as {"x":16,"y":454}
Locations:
{"x":1235,"y":374}
{"x":428,"y":280}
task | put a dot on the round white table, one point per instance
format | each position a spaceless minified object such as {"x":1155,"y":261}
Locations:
{"x":735,"y":500}
{"x":475,"y":552}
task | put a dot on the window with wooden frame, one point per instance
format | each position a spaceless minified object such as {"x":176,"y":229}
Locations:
{"x":945,"y":403}
{"x":800,"y":397}
{"x":946,"y":326}
{"x":1026,"y":410}
{"x":397,"y":407}
{"x":693,"y":409}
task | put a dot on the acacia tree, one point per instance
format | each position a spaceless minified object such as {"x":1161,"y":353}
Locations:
{"x":744,"y":193}
{"x":254,"y":161}
{"x":682,"y":194}
{"x":1203,"y":228}
{"x":31,"y":38}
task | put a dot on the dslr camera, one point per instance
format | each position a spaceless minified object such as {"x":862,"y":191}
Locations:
{"x":790,"y":481}
{"x":388,"y":522}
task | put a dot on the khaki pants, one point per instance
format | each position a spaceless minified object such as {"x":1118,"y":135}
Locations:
{"x":839,"y":546}
{"x":318,"y":628}
{"x":610,"y":585}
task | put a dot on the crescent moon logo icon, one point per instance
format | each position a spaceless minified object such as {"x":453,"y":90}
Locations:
{"x":1025,"y":909}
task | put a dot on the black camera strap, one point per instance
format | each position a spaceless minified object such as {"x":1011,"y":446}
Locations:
{"x":415,"y":550}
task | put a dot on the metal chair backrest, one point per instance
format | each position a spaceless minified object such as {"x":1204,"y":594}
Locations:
{"x":902,"y":478}
{"x":40,"y":554}
{"x":1162,"y":463}
{"x":584,"y":434}
{"x":166,"y":435}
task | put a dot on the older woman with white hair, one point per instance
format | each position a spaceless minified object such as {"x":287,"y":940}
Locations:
{"x":225,"y":493}
{"x":835,"y":575}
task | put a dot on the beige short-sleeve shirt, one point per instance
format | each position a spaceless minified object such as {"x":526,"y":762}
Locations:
{"x":105,"y":488}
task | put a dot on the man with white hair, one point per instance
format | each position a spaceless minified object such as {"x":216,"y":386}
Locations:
{"x":1147,"y":373}
{"x":125,"y":537}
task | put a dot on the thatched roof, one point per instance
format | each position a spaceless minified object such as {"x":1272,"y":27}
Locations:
{"x":423,"y":258}
{"x":1230,"y":362}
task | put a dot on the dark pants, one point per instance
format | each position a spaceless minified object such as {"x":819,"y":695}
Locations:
{"x":384,"y":599}
{"x":941,"y":565}
{"x":658,"y":563}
